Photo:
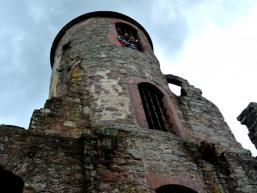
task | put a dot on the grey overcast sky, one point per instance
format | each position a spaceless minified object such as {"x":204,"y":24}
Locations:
{"x":211,"y":43}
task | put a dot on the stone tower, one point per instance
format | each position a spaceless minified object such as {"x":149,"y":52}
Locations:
{"x":112,"y":125}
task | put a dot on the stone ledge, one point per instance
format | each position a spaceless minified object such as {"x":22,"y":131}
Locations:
{"x":3,"y":126}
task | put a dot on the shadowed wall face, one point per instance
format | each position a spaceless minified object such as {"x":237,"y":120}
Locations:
{"x":248,"y":117}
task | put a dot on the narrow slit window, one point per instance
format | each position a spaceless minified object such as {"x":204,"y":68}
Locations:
{"x":128,"y":37}
{"x":152,"y":100}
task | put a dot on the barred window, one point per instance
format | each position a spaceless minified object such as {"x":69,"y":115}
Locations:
{"x":152,"y":99}
{"x":174,"y":189}
{"x":128,"y":37}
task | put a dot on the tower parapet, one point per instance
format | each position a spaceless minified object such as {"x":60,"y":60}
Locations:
{"x":98,"y":60}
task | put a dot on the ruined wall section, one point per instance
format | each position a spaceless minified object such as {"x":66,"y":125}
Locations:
{"x":130,"y":160}
{"x":65,"y":116}
{"x":86,"y":138}
{"x":135,"y":158}
{"x":46,"y":163}
{"x":202,"y":118}
{"x":90,"y":75}
{"x":127,"y":160}
{"x":243,"y":168}
{"x":248,"y":117}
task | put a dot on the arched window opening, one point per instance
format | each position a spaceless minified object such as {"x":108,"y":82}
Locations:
{"x":152,"y":100}
{"x":9,"y":182}
{"x":175,"y":89}
{"x":127,"y":36}
{"x":175,"y":85}
{"x":174,"y":189}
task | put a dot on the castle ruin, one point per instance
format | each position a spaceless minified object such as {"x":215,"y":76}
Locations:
{"x":112,"y":125}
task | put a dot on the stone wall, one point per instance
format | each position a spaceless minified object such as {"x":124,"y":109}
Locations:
{"x":92,"y":135}
{"x":248,"y":117}
{"x":126,"y":160}
{"x":201,"y":118}
{"x":65,"y":116}
{"x":46,"y":163}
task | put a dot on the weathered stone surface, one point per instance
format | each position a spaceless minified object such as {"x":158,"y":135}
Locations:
{"x":92,"y":134}
{"x":45,"y":162}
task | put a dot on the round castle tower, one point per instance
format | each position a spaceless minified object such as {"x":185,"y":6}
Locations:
{"x":108,"y":79}
{"x":131,"y":134}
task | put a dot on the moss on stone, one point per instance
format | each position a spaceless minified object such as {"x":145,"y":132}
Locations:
{"x":216,"y":189}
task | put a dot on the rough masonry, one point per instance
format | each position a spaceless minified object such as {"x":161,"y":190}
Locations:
{"x":93,"y":133}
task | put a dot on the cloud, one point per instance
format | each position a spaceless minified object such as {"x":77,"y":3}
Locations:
{"x":221,"y":61}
